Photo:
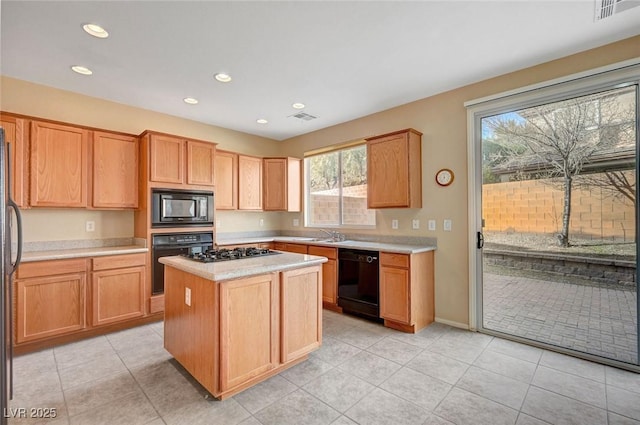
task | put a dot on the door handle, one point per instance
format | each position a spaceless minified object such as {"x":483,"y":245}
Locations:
{"x":480,"y":240}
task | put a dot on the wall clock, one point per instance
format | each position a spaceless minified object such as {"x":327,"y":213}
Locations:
{"x":444,"y":177}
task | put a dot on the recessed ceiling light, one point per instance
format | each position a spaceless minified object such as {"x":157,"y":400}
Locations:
{"x":190,"y":100}
{"x":95,"y":30}
{"x":223,"y":78}
{"x":82,"y":70}
{"x":298,"y":105}
{"x":261,"y":121}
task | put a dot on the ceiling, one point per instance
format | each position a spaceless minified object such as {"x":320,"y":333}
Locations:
{"x":343,"y":60}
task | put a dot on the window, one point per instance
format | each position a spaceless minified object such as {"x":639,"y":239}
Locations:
{"x":336,"y":189}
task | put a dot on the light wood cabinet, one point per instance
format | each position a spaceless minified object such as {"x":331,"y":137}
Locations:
{"x":249,"y":183}
{"x":406,"y":290}
{"x":394,"y":170}
{"x":118,"y":288}
{"x":115,"y":171}
{"x":179,"y":161}
{"x":234,"y":334}
{"x":166,"y":159}
{"x":226,"y":180}
{"x":301,"y":325}
{"x":50,"y":299}
{"x":329,"y":275}
{"x":58,"y":158}
{"x":282,"y":184}
{"x":249,"y":317}
{"x":291,"y":247}
{"x":16,"y":132}
{"x":200,"y":163}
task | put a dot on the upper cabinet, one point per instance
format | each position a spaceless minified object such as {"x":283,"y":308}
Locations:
{"x":174,"y":160}
{"x":226,"y":180}
{"x":200,"y":163}
{"x":115,"y":171}
{"x":249,"y":183}
{"x":58,"y":165}
{"x":166,"y":157}
{"x":16,"y":133}
{"x":394,"y":170}
{"x":282,"y":184}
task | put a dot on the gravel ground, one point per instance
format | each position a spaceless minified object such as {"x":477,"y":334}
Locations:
{"x":548,"y":243}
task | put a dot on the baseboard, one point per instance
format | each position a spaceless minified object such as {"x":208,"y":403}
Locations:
{"x":452,"y":323}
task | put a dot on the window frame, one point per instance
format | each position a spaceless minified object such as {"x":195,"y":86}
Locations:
{"x":306,"y":182}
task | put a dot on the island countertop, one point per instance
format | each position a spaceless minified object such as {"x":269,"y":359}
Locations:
{"x":236,"y":269}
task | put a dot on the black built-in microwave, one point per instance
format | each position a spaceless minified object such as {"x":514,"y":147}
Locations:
{"x":177,"y":208}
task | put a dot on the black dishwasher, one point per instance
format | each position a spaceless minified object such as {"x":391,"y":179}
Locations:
{"x":358,"y":288}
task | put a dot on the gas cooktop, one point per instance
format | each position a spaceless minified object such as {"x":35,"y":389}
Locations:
{"x":223,"y":254}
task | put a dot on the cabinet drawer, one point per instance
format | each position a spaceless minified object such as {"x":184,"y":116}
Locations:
{"x":51,"y":268}
{"x":297,"y":248}
{"x":323,"y":251}
{"x":118,"y":261}
{"x":394,"y":260}
{"x":280,"y":246}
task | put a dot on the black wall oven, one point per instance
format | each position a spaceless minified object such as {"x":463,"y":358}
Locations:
{"x":176,"y":208}
{"x":175,"y":244}
{"x":358,"y":282}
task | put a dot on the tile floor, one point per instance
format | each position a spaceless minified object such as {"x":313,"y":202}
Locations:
{"x":363,"y":374}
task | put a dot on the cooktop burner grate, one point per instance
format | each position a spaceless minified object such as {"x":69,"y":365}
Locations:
{"x":223,"y":254}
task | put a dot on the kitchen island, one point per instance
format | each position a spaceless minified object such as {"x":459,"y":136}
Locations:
{"x":233,"y":324}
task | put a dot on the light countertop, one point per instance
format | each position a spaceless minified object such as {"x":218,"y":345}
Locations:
{"x":367,"y":245}
{"x":228,"y":270}
{"x":64,"y":254}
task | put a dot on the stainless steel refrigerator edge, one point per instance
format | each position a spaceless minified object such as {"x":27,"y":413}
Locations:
{"x":8,"y":266}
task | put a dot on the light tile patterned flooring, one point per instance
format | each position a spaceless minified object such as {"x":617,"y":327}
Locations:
{"x":363,"y":374}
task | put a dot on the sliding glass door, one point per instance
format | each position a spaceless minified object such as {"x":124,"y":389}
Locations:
{"x":559,"y":222}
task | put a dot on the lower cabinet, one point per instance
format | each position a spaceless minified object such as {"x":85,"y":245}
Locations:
{"x":50,"y":299}
{"x":329,"y":275}
{"x":301,"y":325}
{"x":64,"y":297}
{"x":117,"y":288}
{"x":233,"y":334}
{"x":407,"y":290}
{"x":291,"y":247}
{"x":248,"y":318}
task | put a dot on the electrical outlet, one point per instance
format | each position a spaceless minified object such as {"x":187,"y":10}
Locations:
{"x":261,"y":222}
{"x":296,"y":222}
{"x":447,"y":225}
{"x":90,"y":226}
{"x":432,"y":225}
{"x":394,"y":224}
{"x":415,"y":224}
{"x":187,"y":296}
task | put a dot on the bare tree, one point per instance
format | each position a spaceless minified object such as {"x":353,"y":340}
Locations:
{"x":558,"y":139}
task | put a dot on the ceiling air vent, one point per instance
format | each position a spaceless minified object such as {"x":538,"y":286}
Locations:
{"x":606,"y":8}
{"x":303,"y":116}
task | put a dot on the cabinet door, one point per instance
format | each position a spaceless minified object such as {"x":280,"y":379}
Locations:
{"x":249,"y":183}
{"x":275,"y":184}
{"x":200,"y":163}
{"x":50,"y":306}
{"x":226,"y":180}
{"x":248,"y":318}
{"x":15,"y":132}
{"x":58,"y":165}
{"x":282,"y":184}
{"x":388,"y":178}
{"x":167,"y":159}
{"x":329,"y":272}
{"x":117,"y":295}
{"x":301,"y":294}
{"x":394,"y":294}
{"x":115,"y":171}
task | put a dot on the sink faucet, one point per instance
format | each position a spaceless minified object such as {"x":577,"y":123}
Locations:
{"x":335,"y":235}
